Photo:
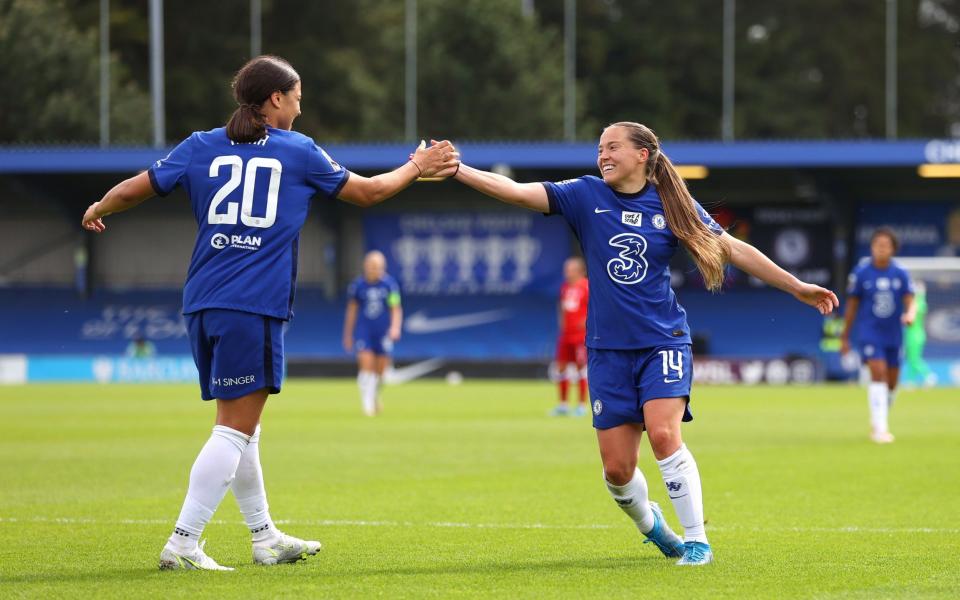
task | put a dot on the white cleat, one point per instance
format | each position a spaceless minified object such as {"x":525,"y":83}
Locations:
{"x":287,"y":549}
{"x":882,"y":437}
{"x":171,"y":560}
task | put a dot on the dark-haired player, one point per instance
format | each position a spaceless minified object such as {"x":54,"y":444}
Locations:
{"x":880,"y":300}
{"x":250,"y":186}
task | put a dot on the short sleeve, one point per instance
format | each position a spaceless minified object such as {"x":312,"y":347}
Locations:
{"x":908,"y":287}
{"x":707,"y":219}
{"x":352,"y":290}
{"x":562,"y":196}
{"x":323,"y":173}
{"x":167,"y":173}
{"x":854,"y":285}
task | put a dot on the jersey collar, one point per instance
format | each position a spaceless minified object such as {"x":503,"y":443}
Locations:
{"x":633,"y":196}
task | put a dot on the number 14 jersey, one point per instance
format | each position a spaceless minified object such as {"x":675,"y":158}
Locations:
{"x":627,"y":246}
{"x":250,"y":202}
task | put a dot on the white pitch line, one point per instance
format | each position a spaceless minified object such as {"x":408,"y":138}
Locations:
{"x":456,"y":525}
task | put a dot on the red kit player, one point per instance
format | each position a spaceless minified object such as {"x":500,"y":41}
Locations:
{"x":574,"y":295}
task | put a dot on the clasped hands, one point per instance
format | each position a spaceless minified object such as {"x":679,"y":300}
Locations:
{"x":437,"y":161}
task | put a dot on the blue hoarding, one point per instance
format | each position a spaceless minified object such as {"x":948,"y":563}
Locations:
{"x":471,"y":253}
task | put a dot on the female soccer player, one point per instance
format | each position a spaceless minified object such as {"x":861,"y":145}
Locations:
{"x":629,"y":223}
{"x":371,"y":326}
{"x":574,"y":297}
{"x":880,"y":297}
{"x":250,"y":185}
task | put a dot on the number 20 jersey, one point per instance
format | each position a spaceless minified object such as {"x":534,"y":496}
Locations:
{"x":628,"y":246}
{"x":250,"y":202}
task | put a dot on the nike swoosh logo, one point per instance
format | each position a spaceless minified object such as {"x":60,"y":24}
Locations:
{"x":601,"y":210}
{"x":671,"y":380}
{"x":678,"y":497}
{"x":410,"y":372}
{"x":420,"y":323}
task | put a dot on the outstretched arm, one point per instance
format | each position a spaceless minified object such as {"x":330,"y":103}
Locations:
{"x":747,"y":258}
{"x":504,"y":189}
{"x":123,"y":196}
{"x":424,"y":162}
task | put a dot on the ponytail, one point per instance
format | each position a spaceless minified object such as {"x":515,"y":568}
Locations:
{"x":253,"y":85}
{"x":246,"y":124}
{"x":709,"y":252}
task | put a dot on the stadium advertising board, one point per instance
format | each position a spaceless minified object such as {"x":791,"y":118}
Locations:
{"x":798,"y":238}
{"x":756,"y":371}
{"x":924,"y":228}
{"x":463,"y":253}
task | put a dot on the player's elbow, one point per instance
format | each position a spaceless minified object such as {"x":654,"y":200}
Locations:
{"x":129,"y":191}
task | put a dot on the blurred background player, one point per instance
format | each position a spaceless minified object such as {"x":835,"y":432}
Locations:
{"x":141,"y":347}
{"x":372,"y":325}
{"x":880,"y":300}
{"x":241,"y":282}
{"x":915,"y":338}
{"x":571,"y":348}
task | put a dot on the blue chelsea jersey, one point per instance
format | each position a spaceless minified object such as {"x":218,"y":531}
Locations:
{"x":627,"y":246}
{"x":250,"y":202}
{"x":881,"y":293}
{"x":374,"y":301}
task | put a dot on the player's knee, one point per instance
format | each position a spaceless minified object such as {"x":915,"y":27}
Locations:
{"x":664,"y":440}
{"x":619,"y":472}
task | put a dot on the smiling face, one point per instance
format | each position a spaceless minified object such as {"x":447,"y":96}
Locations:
{"x":622,"y":165}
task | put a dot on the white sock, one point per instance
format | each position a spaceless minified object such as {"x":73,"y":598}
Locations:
{"x":367,"y":381}
{"x":682,"y":478}
{"x":210,"y":477}
{"x":891,"y":396}
{"x":877,"y":397}
{"x":633,"y":500}
{"x":251,"y":495}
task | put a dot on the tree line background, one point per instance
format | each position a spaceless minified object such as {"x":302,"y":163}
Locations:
{"x":804,"y":68}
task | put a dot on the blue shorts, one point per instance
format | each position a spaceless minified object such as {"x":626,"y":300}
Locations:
{"x":892,"y":355}
{"x":377,"y":342}
{"x":236,"y":352}
{"x":622,"y":380}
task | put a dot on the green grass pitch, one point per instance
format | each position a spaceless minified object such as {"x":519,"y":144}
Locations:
{"x":472,"y":491}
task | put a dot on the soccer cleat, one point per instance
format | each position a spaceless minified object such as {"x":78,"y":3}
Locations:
{"x":287,"y":549}
{"x":882,"y":437}
{"x":662,"y":536}
{"x":580,"y":410}
{"x":696,"y":553}
{"x":560,"y":410}
{"x":171,"y":560}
